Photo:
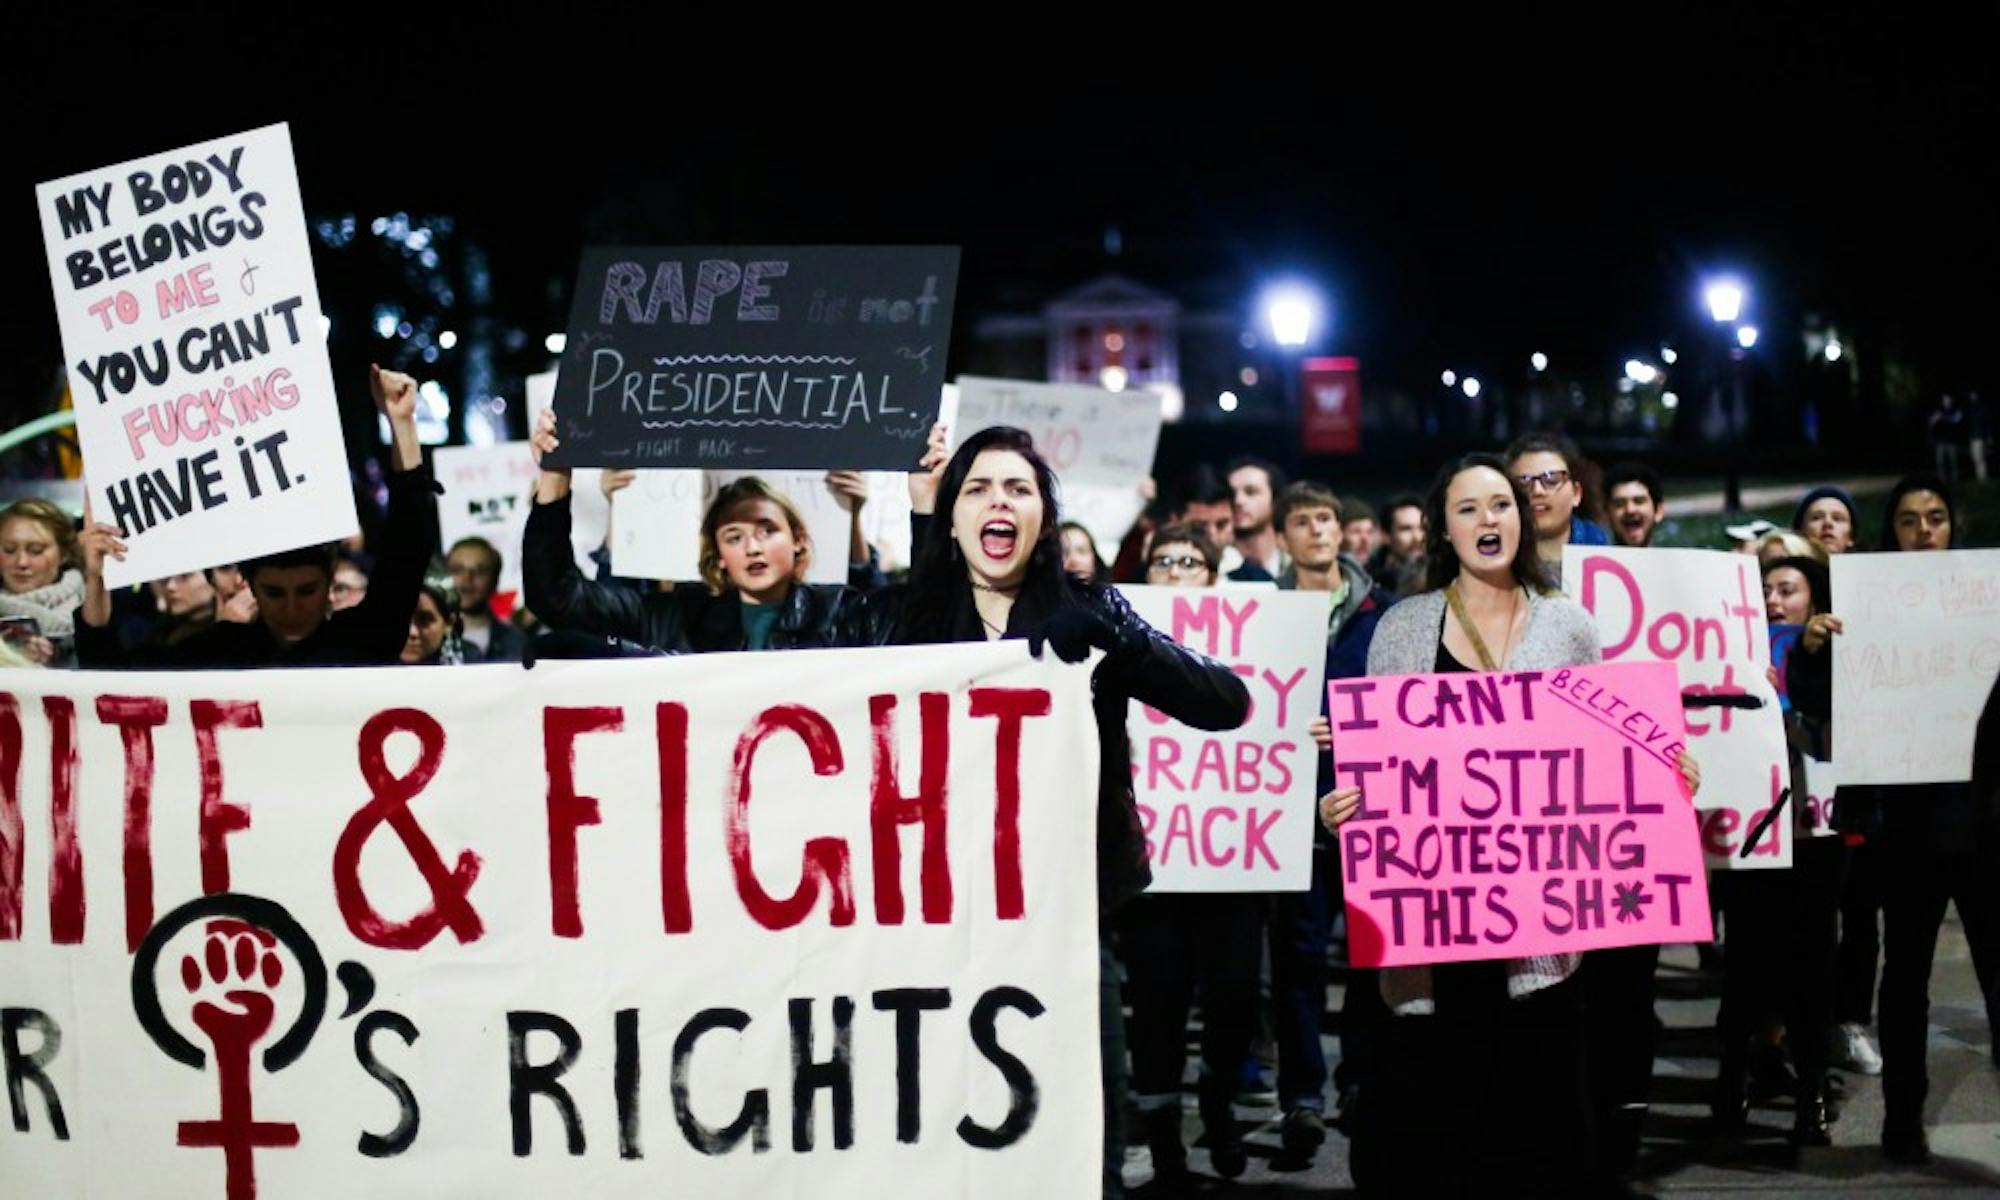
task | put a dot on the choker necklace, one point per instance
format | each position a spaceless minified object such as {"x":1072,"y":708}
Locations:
{"x":977,"y":586}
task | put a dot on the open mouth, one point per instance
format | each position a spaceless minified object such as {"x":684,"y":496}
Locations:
{"x":1489,"y":545}
{"x":997,"y":538}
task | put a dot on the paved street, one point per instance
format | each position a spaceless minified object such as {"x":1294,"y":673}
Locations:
{"x":1681,"y":1158}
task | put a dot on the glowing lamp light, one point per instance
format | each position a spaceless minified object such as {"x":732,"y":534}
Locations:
{"x":1470,"y":387}
{"x":1746,"y":336}
{"x":1725,"y":299}
{"x":1449,"y":378}
{"x":1539,"y":361}
{"x":1114,"y":378}
{"x":1226,"y":402}
{"x":556,"y":343}
{"x":1291,"y":314}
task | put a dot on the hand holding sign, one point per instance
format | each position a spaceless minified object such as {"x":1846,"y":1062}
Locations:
{"x":930,"y":471}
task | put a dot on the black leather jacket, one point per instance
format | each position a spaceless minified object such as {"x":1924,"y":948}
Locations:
{"x":1148,"y":667}
{"x":688,"y":619}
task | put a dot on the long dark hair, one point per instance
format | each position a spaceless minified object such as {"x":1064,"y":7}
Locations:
{"x":1441,"y":559}
{"x":1921,"y":481}
{"x":938,"y":605}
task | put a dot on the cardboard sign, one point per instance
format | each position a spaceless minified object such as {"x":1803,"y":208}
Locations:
{"x":1702,"y":610}
{"x":1100,"y":443}
{"x":1235,"y":811}
{"x":191,"y":328}
{"x":1915,"y":664}
{"x":656,"y":523}
{"x":746,"y":356}
{"x":756,"y":925}
{"x":1508,"y":815}
{"x":487,"y":493}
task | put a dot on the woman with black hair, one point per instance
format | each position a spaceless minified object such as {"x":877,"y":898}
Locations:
{"x":1936,"y":851}
{"x":989,"y":566}
{"x":1784,"y":925}
{"x":1481,"y":1086}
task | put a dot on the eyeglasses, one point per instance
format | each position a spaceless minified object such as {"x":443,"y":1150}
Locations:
{"x":1547,"y":481}
{"x":1183,"y":562}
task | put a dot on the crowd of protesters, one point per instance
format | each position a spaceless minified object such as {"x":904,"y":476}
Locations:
{"x":1479,"y":1078}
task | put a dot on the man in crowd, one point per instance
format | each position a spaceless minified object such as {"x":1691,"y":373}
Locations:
{"x":296,"y":625}
{"x":350,"y":580}
{"x":1308,"y":516}
{"x":1551,"y":470}
{"x":1638,"y":504}
{"x":1254,"y":485}
{"x":1359,"y":534}
{"x":1399,"y":564}
{"x":475,"y":565}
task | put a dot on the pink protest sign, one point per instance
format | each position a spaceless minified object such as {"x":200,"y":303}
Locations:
{"x":1508,"y":815}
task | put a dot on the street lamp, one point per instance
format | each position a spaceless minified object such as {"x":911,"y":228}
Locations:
{"x":1725,"y":299}
{"x":1291,"y":313}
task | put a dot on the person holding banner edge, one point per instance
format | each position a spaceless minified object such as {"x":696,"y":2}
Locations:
{"x":296,"y":625}
{"x":1482,"y":1083}
{"x":988,"y":566}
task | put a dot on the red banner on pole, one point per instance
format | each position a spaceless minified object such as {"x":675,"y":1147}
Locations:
{"x":1331,"y":408}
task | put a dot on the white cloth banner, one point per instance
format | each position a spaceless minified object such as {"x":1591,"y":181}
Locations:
{"x":785,"y":924}
{"x":191,"y":326}
{"x":1100,"y":443}
{"x":487,"y":493}
{"x":1914,"y":664}
{"x":656,"y":522}
{"x":1235,"y":811}
{"x":1704,"y":611}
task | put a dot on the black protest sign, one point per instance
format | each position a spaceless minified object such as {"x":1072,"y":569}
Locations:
{"x":754,"y":356}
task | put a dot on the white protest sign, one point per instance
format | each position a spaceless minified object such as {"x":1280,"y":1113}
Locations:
{"x":656,"y":522}
{"x":1235,"y":811}
{"x":487,"y":493}
{"x":1099,"y":443}
{"x":1704,"y":611}
{"x":1914,"y":663}
{"x":753,"y":925}
{"x":192,"y":330}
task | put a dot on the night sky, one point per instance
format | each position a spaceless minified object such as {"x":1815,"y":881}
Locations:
{"x":1463,"y":195}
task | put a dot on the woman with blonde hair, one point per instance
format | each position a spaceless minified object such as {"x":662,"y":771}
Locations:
{"x":752,"y":594}
{"x":41,"y":568}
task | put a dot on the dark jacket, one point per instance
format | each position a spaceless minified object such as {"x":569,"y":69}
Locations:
{"x":504,"y":643}
{"x":688,"y":619}
{"x":371,"y":633}
{"x":1349,"y":630}
{"x":1148,"y":667}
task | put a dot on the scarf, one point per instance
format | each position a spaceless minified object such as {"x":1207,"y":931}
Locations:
{"x":53,"y":607}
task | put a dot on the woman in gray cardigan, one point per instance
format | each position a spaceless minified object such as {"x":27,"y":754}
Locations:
{"x":1482,"y":1085}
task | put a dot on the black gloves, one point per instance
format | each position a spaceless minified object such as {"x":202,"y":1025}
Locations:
{"x":1071,"y":632}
